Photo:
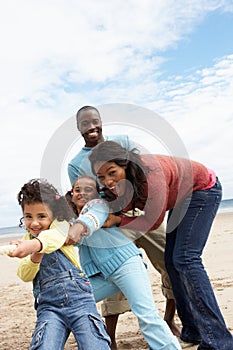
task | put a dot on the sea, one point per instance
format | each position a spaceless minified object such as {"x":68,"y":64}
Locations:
{"x":9,"y":232}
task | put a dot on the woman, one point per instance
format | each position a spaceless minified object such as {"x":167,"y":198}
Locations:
{"x":154,"y":184}
{"x":113,"y":263}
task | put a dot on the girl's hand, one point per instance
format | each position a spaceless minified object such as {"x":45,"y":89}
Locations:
{"x":18,"y":241}
{"x":7,"y":248}
{"x":76,"y":232}
{"x":36,"y":257}
{"x":26,"y":247}
{"x":14,"y":243}
{"x":112,"y":220}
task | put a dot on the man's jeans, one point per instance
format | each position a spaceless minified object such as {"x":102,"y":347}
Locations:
{"x":187,"y":232}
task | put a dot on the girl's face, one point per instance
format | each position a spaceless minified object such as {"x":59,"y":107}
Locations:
{"x":112,"y":176}
{"x":37,"y":217}
{"x":84,"y":190}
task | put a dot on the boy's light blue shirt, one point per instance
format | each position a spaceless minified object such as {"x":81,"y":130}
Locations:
{"x":80,"y":164}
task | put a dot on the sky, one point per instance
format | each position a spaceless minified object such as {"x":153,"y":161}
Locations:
{"x":173,"y":58}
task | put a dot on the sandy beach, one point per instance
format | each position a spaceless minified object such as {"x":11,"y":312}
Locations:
{"x":17,"y":314}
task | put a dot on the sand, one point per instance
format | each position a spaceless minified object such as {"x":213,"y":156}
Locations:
{"x":17,"y":315}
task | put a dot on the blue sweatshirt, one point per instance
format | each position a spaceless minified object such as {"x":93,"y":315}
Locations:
{"x":104,"y":249}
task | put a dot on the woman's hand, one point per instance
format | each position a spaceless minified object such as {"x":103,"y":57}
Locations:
{"x":25,"y":247}
{"x":76,"y":232}
{"x":112,"y":220}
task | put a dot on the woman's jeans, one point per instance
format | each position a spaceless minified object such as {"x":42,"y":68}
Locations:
{"x":132,"y":279}
{"x":187,"y":232}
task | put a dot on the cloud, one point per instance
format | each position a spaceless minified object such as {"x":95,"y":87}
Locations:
{"x":57,"y":55}
{"x":47,"y":42}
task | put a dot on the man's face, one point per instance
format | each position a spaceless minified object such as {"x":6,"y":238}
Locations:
{"x":90,"y":126}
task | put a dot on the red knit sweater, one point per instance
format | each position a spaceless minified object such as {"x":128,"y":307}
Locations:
{"x":170,"y":180}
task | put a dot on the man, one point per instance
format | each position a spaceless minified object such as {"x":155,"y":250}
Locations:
{"x":90,"y":126}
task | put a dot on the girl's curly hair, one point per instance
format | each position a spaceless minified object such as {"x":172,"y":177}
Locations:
{"x":41,"y":191}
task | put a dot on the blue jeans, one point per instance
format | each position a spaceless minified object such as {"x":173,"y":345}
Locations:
{"x":65,"y":303}
{"x":188,"y":230}
{"x":132,"y":279}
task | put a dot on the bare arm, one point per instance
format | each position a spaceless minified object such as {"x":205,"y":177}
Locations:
{"x":26,"y":247}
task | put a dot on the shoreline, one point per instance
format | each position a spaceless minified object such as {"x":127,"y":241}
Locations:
{"x":4,"y":239}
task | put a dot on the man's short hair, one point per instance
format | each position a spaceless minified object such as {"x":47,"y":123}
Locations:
{"x":86,"y":108}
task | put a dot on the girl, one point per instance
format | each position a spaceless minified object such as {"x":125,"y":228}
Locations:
{"x":191,"y":193}
{"x":113,"y":263}
{"x":63,"y":296}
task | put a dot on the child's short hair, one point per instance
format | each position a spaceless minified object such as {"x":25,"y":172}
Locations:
{"x":41,"y":191}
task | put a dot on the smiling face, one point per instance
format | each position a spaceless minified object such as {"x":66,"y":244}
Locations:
{"x":111,"y":176}
{"x":90,"y":126}
{"x":84,"y":190}
{"x":37,"y":217}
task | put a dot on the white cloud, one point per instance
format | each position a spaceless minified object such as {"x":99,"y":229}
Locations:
{"x":57,"y":55}
{"x":41,"y":41}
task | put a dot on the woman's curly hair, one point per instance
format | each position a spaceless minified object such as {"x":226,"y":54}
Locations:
{"x":41,"y":191}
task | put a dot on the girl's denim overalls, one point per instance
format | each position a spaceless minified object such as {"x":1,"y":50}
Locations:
{"x":65,"y":303}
